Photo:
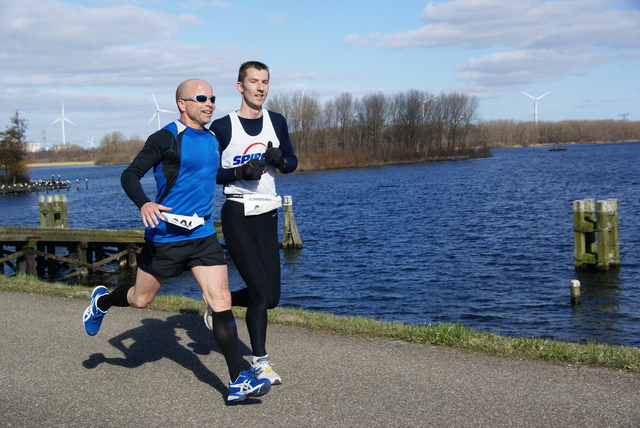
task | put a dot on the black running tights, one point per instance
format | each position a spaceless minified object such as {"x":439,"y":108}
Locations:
{"x":253,"y":244}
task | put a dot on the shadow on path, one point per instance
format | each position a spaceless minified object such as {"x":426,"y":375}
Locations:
{"x":156,"y":339}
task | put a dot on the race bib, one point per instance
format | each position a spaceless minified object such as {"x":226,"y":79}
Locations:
{"x":188,"y":223}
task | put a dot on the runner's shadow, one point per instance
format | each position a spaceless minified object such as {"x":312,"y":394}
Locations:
{"x":156,"y":339}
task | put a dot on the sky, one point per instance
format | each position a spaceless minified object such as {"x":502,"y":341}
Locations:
{"x":105,"y":60}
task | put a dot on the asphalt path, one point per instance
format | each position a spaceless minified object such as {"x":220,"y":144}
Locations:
{"x":158,"y":369}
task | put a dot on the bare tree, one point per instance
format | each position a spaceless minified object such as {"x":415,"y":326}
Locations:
{"x":408,"y":113}
{"x":310,"y":119}
{"x":372,"y":117}
{"x":461,"y":112}
{"x":345,"y":119}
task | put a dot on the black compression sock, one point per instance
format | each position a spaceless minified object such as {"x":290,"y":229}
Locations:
{"x":117,"y":297}
{"x":225,"y":333}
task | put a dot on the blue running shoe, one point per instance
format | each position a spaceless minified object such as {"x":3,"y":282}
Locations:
{"x":92,"y":317}
{"x":247,"y":386}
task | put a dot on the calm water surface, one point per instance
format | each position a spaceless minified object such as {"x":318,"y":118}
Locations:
{"x":487,"y":242}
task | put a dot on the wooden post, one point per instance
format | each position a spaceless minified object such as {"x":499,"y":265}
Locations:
{"x":53,"y":211}
{"x":607,"y":233}
{"x":41,"y":262}
{"x":583,"y":232}
{"x":60,"y":211}
{"x":21,"y":262}
{"x":31,"y":258}
{"x":50,"y":211}
{"x":72,"y":255}
{"x":290,"y":237}
{"x":575,"y":291}
{"x":52,"y":265}
{"x":595,"y":234}
{"x":26,"y":264}
{"x":132,"y":257}
{"x":81,"y":251}
{"x":123,"y":261}
{"x":42,"y":207}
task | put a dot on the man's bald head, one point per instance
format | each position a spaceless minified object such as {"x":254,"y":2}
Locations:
{"x":188,"y":87}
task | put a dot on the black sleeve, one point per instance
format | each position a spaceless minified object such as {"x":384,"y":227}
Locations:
{"x":222,"y":130}
{"x":150,"y":155}
{"x":282,"y":131}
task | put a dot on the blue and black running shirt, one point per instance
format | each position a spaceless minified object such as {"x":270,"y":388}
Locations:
{"x":185,"y":162}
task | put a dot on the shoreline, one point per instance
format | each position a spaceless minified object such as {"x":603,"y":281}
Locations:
{"x":309,"y":168}
{"x":37,"y":164}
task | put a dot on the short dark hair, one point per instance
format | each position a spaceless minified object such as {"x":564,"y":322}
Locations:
{"x":242,"y":73}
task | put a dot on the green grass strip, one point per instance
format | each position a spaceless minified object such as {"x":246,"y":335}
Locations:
{"x":455,"y":336}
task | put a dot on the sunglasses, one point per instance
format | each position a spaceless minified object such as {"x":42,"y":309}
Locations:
{"x":201,"y":99}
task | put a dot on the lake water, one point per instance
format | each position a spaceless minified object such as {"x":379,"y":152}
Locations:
{"x":487,"y":242}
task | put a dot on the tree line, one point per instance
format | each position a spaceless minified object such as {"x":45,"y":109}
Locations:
{"x":349,"y":131}
{"x":417,"y":126}
{"x":114,"y":149}
{"x":509,"y":133}
{"x":379,"y":128}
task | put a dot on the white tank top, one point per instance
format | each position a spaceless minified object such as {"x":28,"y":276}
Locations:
{"x":244,"y":147}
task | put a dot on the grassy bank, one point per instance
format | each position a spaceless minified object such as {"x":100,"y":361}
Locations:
{"x":455,"y":336}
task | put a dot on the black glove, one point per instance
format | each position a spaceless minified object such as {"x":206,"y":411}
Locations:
{"x":251,"y":170}
{"x":273,"y":156}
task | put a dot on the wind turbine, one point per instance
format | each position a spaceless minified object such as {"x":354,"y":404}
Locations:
{"x":62,"y":120}
{"x":535,"y":104}
{"x":91,"y":142}
{"x":424,"y":104}
{"x":157,"y":112}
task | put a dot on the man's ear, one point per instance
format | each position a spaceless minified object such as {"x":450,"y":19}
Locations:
{"x":240,"y":87}
{"x":181,"y":107}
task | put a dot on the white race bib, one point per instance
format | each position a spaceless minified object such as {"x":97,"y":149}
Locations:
{"x":183,"y":220}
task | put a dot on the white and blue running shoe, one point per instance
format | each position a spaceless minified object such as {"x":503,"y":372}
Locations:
{"x":92,"y":317}
{"x":247,"y":386}
{"x":263,"y":369}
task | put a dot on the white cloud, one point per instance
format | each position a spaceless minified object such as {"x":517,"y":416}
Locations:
{"x":531,"y":40}
{"x":102,"y":62}
{"x":528,"y":23}
{"x":357,"y":40}
{"x":65,"y":45}
{"x":203,"y":4}
{"x":35,"y":25}
{"x":511,"y":69}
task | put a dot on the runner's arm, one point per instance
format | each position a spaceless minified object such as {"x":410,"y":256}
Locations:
{"x":282,"y":131}
{"x":147,"y":158}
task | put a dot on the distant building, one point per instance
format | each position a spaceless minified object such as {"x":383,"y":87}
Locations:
{"x":32,"y":147}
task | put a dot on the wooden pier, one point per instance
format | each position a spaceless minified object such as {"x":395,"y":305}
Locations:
{"x":46,"y":250}
{"x":38,"y":251}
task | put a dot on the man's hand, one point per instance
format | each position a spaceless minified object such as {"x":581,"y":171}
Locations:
{"x":273,"y":156}
{"x":253,"y":169}
{"x":151,"y":214}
